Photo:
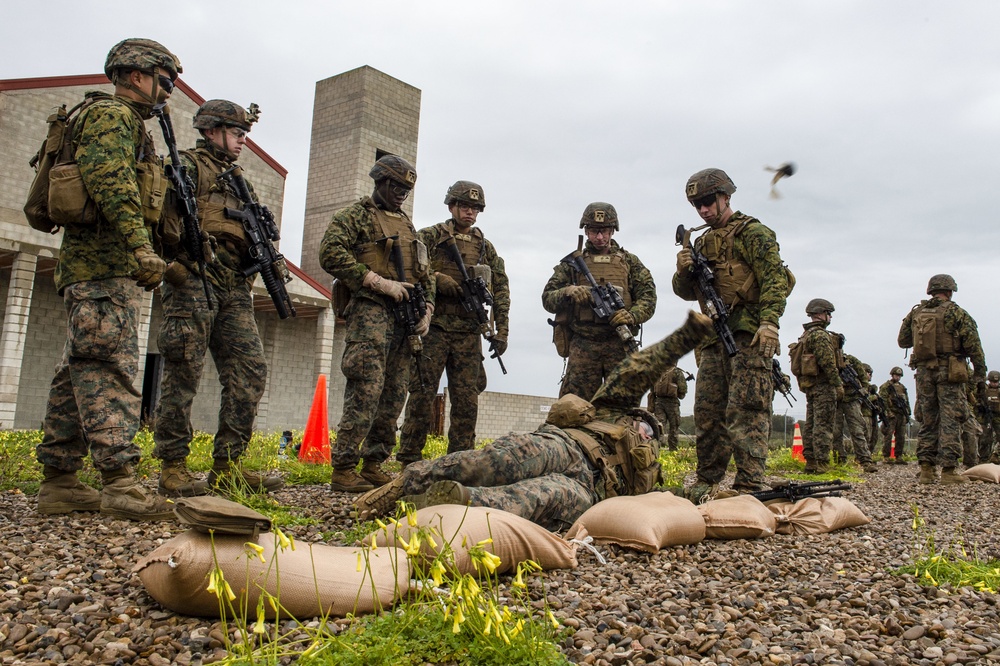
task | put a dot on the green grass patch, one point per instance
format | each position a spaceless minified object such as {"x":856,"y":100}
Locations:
{"x":952,"y":566}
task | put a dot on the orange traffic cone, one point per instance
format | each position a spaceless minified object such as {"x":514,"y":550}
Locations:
{"x":316,"y":439}
{"x":892,"y":451}
{"x":797,"y":444}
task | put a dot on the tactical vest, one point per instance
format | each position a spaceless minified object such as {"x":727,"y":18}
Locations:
{"x":930,"y":339}
{"x":471,"y":246}
{"x":803,"y":363}
{"x":377,"y":255}
{"x":734,"y":278}
{"x":667,"y":386}
{"x":993,"y":398}
{"x":900,"y":392}
{"x":214,"y":196}
{"x":629,"y":464}
{"x":606,"y":269}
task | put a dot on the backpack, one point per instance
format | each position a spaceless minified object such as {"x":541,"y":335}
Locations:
{"x":803,"y":363}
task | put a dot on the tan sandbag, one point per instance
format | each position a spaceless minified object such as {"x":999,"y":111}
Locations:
{"x":642,"y":522}
{"x":985,"y":472}
{"x":315,"y":579}
{"x":515,"y":539}
{"x":740,"y":517}
{"x":817,"y":515}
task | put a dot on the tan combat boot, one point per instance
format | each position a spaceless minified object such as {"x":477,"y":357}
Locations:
{"x":949,"y":476}
{"x":230,"y":475}
{"x":123,"y":497}
{"x":373,"y":473}
{"x":379,"y":501}
{"x":63,"y":492}
{"x":177,"y":481}
{"x":349,"y":481}
{"x":928,"y":474}
{"x":441,"y":492}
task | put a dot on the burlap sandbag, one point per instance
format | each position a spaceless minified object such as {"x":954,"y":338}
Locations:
{"x":515,"y":539}
{"x":643,"y":522}
{"x":985,"y":472}
{"x":817,"y":515}
{"x":315,"y":579}
{"x":740,"y":517}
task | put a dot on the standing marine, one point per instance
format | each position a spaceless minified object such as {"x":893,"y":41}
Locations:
{"x":849,"y":413}
{"x":988,"y":409}
{"x":665,"y":403}
{"x":897,"y":415}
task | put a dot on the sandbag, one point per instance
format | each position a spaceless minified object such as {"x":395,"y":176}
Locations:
{"x":316,"y":579}
{"x":642,"y":522}
{"x":817,"y":515}
{"x":515,"y":539}
{"x":985,"y":472}
{"x":740,"y":517}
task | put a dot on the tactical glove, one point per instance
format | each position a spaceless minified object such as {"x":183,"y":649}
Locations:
{"x":577,"y":293}
{"x":767,"y":335}
{"x":397,"y":291}
{"x":622,"y":317}
{"x":175,"y":274}
{"x":447,"y":286}
{"x":151,"y":267}
{"x":424,"y":325}
{"x":498,"y":345}
{"x":684,"y":260}
{"x":840,"y":393}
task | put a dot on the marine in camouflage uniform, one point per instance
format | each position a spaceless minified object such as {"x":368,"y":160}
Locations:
{"x":988,"y":410}
{"x":453,"y":343}
{"x":665,"y":403}
{"x":548,"y":476}
{"x":820,"y":380}
{"x":849,"y":411}
{"x":942,"y":336}
{"x":972,"y":429}
{"x":93,"y":403}
{"x":377,"y":353}
{"x":870,"y":415}
{"x":191,"y":328}
{"x":897,"y":415}
{"x":595,"y":348}
{"x":733,"y":395}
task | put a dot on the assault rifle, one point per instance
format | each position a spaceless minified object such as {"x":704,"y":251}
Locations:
{"x":782,"y":384}
{"x":604,"y":298}
{"x":714,"y":306}
{"x":194,"y":240}
{"x":409,"y":311}
{"x":476,"y":297}
{"x":881,"y":411}
{"x":794,"y":491}
{"x":261,"y":231}
{"x":850,"y":377}
{"x":898,"y":403}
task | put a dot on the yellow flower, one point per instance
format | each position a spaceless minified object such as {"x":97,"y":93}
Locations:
{"x":413,"y":547}
{"x":519,"y":627}
{"x":431,"y":542}
{"x":437,"y":572}
{"x":411,"y":517}
{"x":258,"y":549}
{"x":489,"y":625}
{"x":489,"y":561}
{"x":283,"y":540}
{"x":381,"y":525}
{"x":359,"y":562}
{"x":485,"y":541}
{"x":459,"y":619}
{"x":472,"y":587}
{"x":258,"y":626}
{"x":519,"y":579}
{"x":552,"y":619}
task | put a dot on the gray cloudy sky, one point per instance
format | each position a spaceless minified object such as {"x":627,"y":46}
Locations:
{"x":890,"y":110}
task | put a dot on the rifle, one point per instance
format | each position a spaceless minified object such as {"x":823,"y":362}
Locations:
{"x":898,"y":403}
{"x":781,"y":383}
{"x":604,"y":298}
{"x":409,"y":311}
{"x":712,"y":303}
{"x":476,"y":297}
{"x":194,"y":239}
{"x":881,"y":411}
{"x":261,"y":231}
{"x":794,"y":491}
{"x":850,"y":377}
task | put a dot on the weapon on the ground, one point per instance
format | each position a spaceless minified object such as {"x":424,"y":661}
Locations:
{"x":604,"y":298}
{"x":781,"y":382}
{"x":850,"y":377}
{"x":409,"y":311}
{"x":476,"y":297}
{"x":261,"y":232}
{"x":794,"y":491}
{"x":714,"y":306}
{"x":194,"y":239}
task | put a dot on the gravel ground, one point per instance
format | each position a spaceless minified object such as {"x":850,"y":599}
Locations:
{"x":67,"y":594}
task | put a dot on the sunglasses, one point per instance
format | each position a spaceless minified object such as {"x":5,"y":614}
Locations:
{"x":706,"y":201}
{"x":165,"y":83}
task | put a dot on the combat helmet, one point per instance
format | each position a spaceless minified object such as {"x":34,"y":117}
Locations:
{"x":141,"y":54}
{"x":993,"y":376}
{"x":819,"y":306}
{"x":896,"y":371}
{"x":394,"y":168}
{"x":941,"y":282}
{"x":599,"y":214}
{"x":466,"y":192}
{"x":223,"y":113}
{"x":708,"y":181}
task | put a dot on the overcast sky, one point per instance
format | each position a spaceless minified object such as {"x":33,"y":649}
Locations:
{"x":890,"y":109}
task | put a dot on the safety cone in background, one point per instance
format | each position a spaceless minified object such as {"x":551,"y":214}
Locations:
{"x":797,"y":444}
{"x":892,"y":451}
{"x":316,"y":439}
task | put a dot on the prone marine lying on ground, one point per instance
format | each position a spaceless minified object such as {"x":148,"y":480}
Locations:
{"x":583,"y":453}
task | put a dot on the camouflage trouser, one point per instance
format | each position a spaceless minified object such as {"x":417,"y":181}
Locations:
{"x":732,"y":413}
{"x":590,"y":361}
{"x":850,"y":413}
{"x":461,"y":354}
{"x":668,"y":411}
{"x":376,"y":364}
{"x":817,"y":430}
{"x":872,"y":432}
{"x":944,"y":405}
{"x":542,"y":476}
{"x":987,"y":441}
{"x":895,"y":426}
{"x":972,"y":431}
{"x":93,"y":404}
{"x":188,"y":331}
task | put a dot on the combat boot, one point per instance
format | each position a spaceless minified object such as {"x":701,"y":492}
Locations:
{"x":230,"y":475}
{"x":349,"y":481}
{"x":441,"y":492}
{"x":949,"y":476}
{"x":372,"y":473}
{"x":928,"y":474}
{"x":821,"y":468}
{"x":177,"y":481}
{"x":869,"y":467}
{"x":123,"y":497}
{"x":379,"y":501}
{"x":63,"y":492}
